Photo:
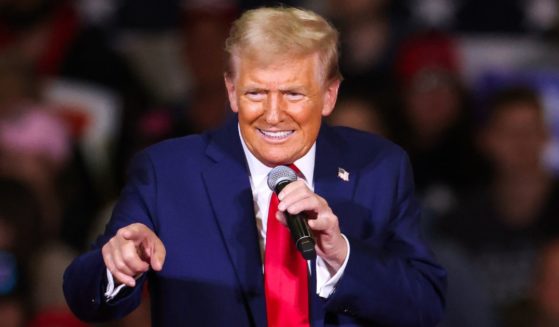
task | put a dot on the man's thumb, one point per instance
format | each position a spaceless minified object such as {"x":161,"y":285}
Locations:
{"x":157,"y":256}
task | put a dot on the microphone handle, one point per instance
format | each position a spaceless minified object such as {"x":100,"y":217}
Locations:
{"x":299,"y":228}
{"x":301,"y":235}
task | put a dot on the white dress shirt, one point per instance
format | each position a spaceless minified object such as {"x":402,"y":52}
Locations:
{"x":261,"y":195}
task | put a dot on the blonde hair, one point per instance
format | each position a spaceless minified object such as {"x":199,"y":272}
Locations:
{"x":268,"y":34}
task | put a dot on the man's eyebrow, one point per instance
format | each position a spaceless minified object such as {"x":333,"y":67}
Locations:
{"x":295,"y":88}
{"x":253,"y":88}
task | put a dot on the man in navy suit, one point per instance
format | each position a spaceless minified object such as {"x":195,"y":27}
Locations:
{"x":192,"y":218}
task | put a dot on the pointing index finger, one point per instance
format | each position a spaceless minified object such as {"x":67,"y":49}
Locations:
{"x":136,"y":233}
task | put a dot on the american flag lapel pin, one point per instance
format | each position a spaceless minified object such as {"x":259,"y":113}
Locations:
{"x":343,"y":174}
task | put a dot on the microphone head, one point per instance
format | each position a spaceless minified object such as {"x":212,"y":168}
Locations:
{"x":280,"y":174}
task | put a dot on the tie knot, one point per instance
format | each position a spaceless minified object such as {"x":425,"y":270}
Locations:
{"x":296,"y":170}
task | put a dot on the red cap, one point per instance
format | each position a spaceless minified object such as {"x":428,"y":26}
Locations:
{"x":432,"y":51}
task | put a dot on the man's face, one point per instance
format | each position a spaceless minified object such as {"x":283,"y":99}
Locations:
{"x":280,"y":106}
{"x":515,"y":138}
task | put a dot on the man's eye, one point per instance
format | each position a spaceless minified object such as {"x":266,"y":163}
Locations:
{"x":255,"y":95}
{"x":294,"y":96}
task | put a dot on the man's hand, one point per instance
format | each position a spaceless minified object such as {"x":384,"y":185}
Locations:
{"x":132,"y":251}
{"x":330,"y":244}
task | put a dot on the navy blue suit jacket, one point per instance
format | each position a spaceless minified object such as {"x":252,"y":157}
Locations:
{"x":194,"y":192}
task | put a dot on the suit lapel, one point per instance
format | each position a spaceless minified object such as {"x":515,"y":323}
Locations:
{"x":327,"y":184}
{"x":230,"y":194}
{"x":329,"y":160}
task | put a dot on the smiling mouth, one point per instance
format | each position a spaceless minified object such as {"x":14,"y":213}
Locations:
{"x":276,"y":135}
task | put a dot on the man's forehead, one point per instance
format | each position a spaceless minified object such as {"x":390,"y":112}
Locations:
{"x":251,"y":65}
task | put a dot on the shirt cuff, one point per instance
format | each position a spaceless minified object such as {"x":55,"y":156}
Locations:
{"x":325,"y":282}
{"x":111,"y":292}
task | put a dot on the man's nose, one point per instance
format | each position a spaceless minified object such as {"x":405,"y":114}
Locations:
{"x":273,"y":109}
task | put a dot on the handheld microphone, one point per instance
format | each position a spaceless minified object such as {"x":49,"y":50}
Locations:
{"x":278,"y":178}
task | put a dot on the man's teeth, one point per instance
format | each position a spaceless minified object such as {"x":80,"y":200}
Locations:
{"x":279,"y":134}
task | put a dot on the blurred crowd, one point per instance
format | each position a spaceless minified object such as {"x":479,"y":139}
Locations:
{"x":469,"y":88}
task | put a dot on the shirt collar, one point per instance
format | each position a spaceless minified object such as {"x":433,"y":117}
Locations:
{"x":259,"y":171}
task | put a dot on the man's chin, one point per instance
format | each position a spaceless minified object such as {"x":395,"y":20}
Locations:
{"x":277,"y":161}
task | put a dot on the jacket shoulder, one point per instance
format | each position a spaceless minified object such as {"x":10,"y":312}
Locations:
{"x":190,"y":147}
{"x":366,"y":147}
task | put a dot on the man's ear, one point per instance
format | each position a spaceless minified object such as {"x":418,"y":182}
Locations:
{"x":330,"y":97}
{"x":230,"y":86}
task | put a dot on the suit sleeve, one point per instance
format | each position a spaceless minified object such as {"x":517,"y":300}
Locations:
{"x":85,"y":278}
{"x":391,"y":279}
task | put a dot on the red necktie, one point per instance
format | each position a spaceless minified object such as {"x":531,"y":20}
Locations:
{"x":285,"y":275}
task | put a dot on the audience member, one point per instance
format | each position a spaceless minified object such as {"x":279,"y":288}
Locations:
{"x":435,"y":123}
{"x":540,"y":307}
{"x":546,"y":292}
{"x":502,"y":226}
{"x":20,"y":236}
{"x":12,"y":312}
{"x":34,"y":146}
{"x":361,"y":112}
{"x":370,"y":37}
{"x":46,"y":281}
